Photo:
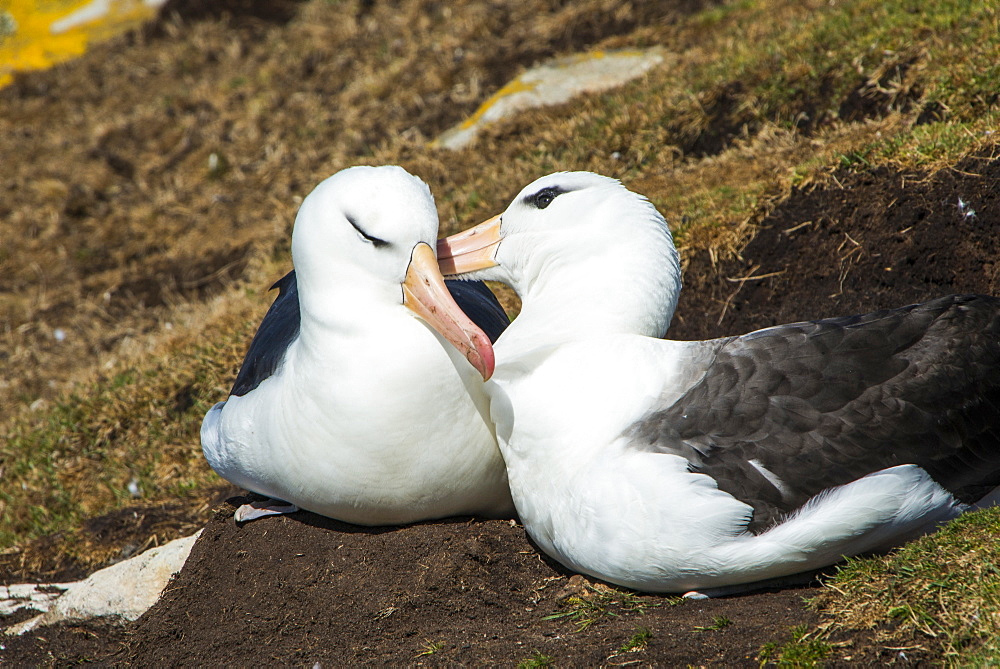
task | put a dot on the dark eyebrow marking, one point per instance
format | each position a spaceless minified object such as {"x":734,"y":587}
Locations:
{"x":544,"y":197}
{"x":375,"y":241}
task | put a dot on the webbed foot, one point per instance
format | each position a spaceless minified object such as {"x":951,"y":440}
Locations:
{"x":262,"y":508}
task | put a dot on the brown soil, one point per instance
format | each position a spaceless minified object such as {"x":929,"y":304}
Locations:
{"x":305,"y":589}
{"x":883,"y":240}
{"x":302,"y":589}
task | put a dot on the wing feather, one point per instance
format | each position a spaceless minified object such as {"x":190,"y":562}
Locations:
{"x":823,"y":403}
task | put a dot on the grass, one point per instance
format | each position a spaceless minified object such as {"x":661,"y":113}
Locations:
{"x":718,"y":623}
{"x":133,"y":425}
{"x":942,"y":590}
{"x":536,"y":661}
{"x":638,"y":641}
{"x":598,"y":602}
{"x":802,"y":651}
{"x":931,"y":145}
{"x":760,"y":97}
{"x":430,"y":648}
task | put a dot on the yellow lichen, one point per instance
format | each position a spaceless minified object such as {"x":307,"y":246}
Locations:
{"x":33,"y":39}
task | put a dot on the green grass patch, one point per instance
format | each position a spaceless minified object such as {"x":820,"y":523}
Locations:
{"x":790,"y":58}
{"x":637,"y":641}
{"x":429,"y":647}
{"x":804,"y":651}
{"x":536,"y":661}
{"x":718,"y":623}
{"x":598,"y":602}
{"x":943,"y":588}
{"x":930,"y":145}
{"x":801,"y":66}
{"x":130,"y":436}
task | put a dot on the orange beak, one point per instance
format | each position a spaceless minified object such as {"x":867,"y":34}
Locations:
{"x":470,"y":250}
{"x":425,"y":294}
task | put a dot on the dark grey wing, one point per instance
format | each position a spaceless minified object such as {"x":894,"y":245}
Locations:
{"x":276,"y":333}
{"x":281,"y":325}
{"x":481,"y":305}
{"x":784,"y":413}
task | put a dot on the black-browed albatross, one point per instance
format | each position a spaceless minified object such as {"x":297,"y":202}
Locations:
{"x":361,"y":395}
{"x":670,"y":466}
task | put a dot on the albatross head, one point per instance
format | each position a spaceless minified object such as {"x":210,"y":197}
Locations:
{"x":572,"y":240}
{"x":364,"y":238}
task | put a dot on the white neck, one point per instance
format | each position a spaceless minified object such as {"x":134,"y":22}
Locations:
{"x":342,"y":295}
{"x":630,"y":287}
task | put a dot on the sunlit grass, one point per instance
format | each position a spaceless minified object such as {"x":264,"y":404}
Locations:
{"x":803,"y":651}
{"x":943,"y":589}
{"x":129,"y":436}
{"x":935,"y":145}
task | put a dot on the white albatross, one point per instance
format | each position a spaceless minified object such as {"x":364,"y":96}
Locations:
{"x":361,"y":396}
{"x":669,"y":466}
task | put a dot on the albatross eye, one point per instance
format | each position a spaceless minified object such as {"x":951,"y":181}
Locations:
{"x":544,"y":197}
{"x":375,"y":241}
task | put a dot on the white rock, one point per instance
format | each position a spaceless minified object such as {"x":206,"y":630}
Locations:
{"x":127,"y":589}
{"x":29,"y":596}
{"x":554,"y":82}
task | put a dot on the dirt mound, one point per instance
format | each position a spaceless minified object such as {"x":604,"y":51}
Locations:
{"x":306,"y":589}
{"x":885,"y":239}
